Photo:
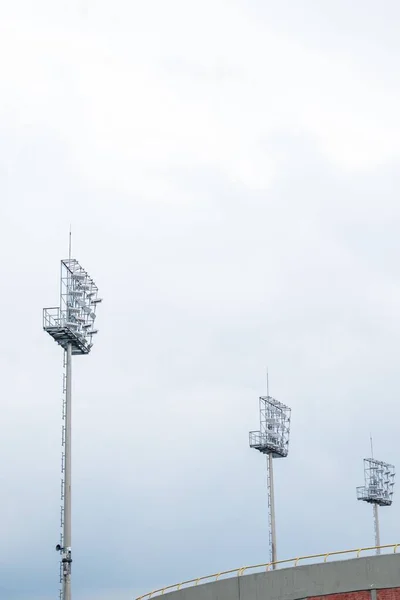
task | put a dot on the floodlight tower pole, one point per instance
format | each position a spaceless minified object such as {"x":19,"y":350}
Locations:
{"x":271,"y":502}
{"x":272,"y":439}
{"x":271,"y":507}
{"x":377,"y":490}
{"x":71,"y":326}
{"x":66,"y":566}
{"x":375,"y":511}
{"x":67,"y":526}
{"x":376,"y":528}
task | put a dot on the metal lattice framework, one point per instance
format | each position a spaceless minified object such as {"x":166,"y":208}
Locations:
{"x":72,"y":322}
{"x":379,"y":483}
{"x":273,"y":436}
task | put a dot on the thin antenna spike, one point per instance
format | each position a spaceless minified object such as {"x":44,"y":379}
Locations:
{"x":372,"y":446}
{"x":70,"y":242}
{"x":267,"y":383}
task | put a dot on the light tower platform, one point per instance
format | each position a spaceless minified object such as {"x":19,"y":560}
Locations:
{"x":54,"y":323}
{"x":72,"y":322}
{"x":273,"y":435}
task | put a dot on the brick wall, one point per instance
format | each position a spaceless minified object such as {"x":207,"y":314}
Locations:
{"x":389,"y":594}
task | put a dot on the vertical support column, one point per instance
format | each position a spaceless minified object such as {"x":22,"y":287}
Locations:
{"x":66,"y":550}
{"x":271,"y":497}
{"x":376,"y":527}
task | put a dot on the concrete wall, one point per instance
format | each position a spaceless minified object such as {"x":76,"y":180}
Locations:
{"x":370,"y":578}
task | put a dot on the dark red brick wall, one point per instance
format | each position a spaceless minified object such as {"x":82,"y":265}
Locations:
{"x":392,"y":594}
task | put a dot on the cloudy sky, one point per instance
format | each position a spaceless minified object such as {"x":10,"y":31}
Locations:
{"x":230,"y":169}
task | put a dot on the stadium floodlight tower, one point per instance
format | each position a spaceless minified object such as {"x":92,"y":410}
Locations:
{"x":71,"y":325}
{"x":377,"y":489}
{"x":273,"y":440}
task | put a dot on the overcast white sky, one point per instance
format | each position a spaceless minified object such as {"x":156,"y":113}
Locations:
{"x":231,"y":172}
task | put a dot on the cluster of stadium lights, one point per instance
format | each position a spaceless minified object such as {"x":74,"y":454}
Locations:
{"x":73,"y":321}
{"x":78,"y":299}
{"x":379,"y":483}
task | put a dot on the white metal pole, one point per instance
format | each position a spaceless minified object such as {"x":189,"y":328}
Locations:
{"x":272,"y":508}
{"x":66,"y":553}
{"x":376,"y":527}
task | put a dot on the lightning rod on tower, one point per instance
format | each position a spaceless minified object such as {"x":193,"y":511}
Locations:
{"x":71,"y":325}
{"x":272,"y":440}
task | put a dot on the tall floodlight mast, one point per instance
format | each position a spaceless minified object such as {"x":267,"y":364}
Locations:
{"x":71,"y":325}
{"x":377,"y":489}
{"x":272,"y":440}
